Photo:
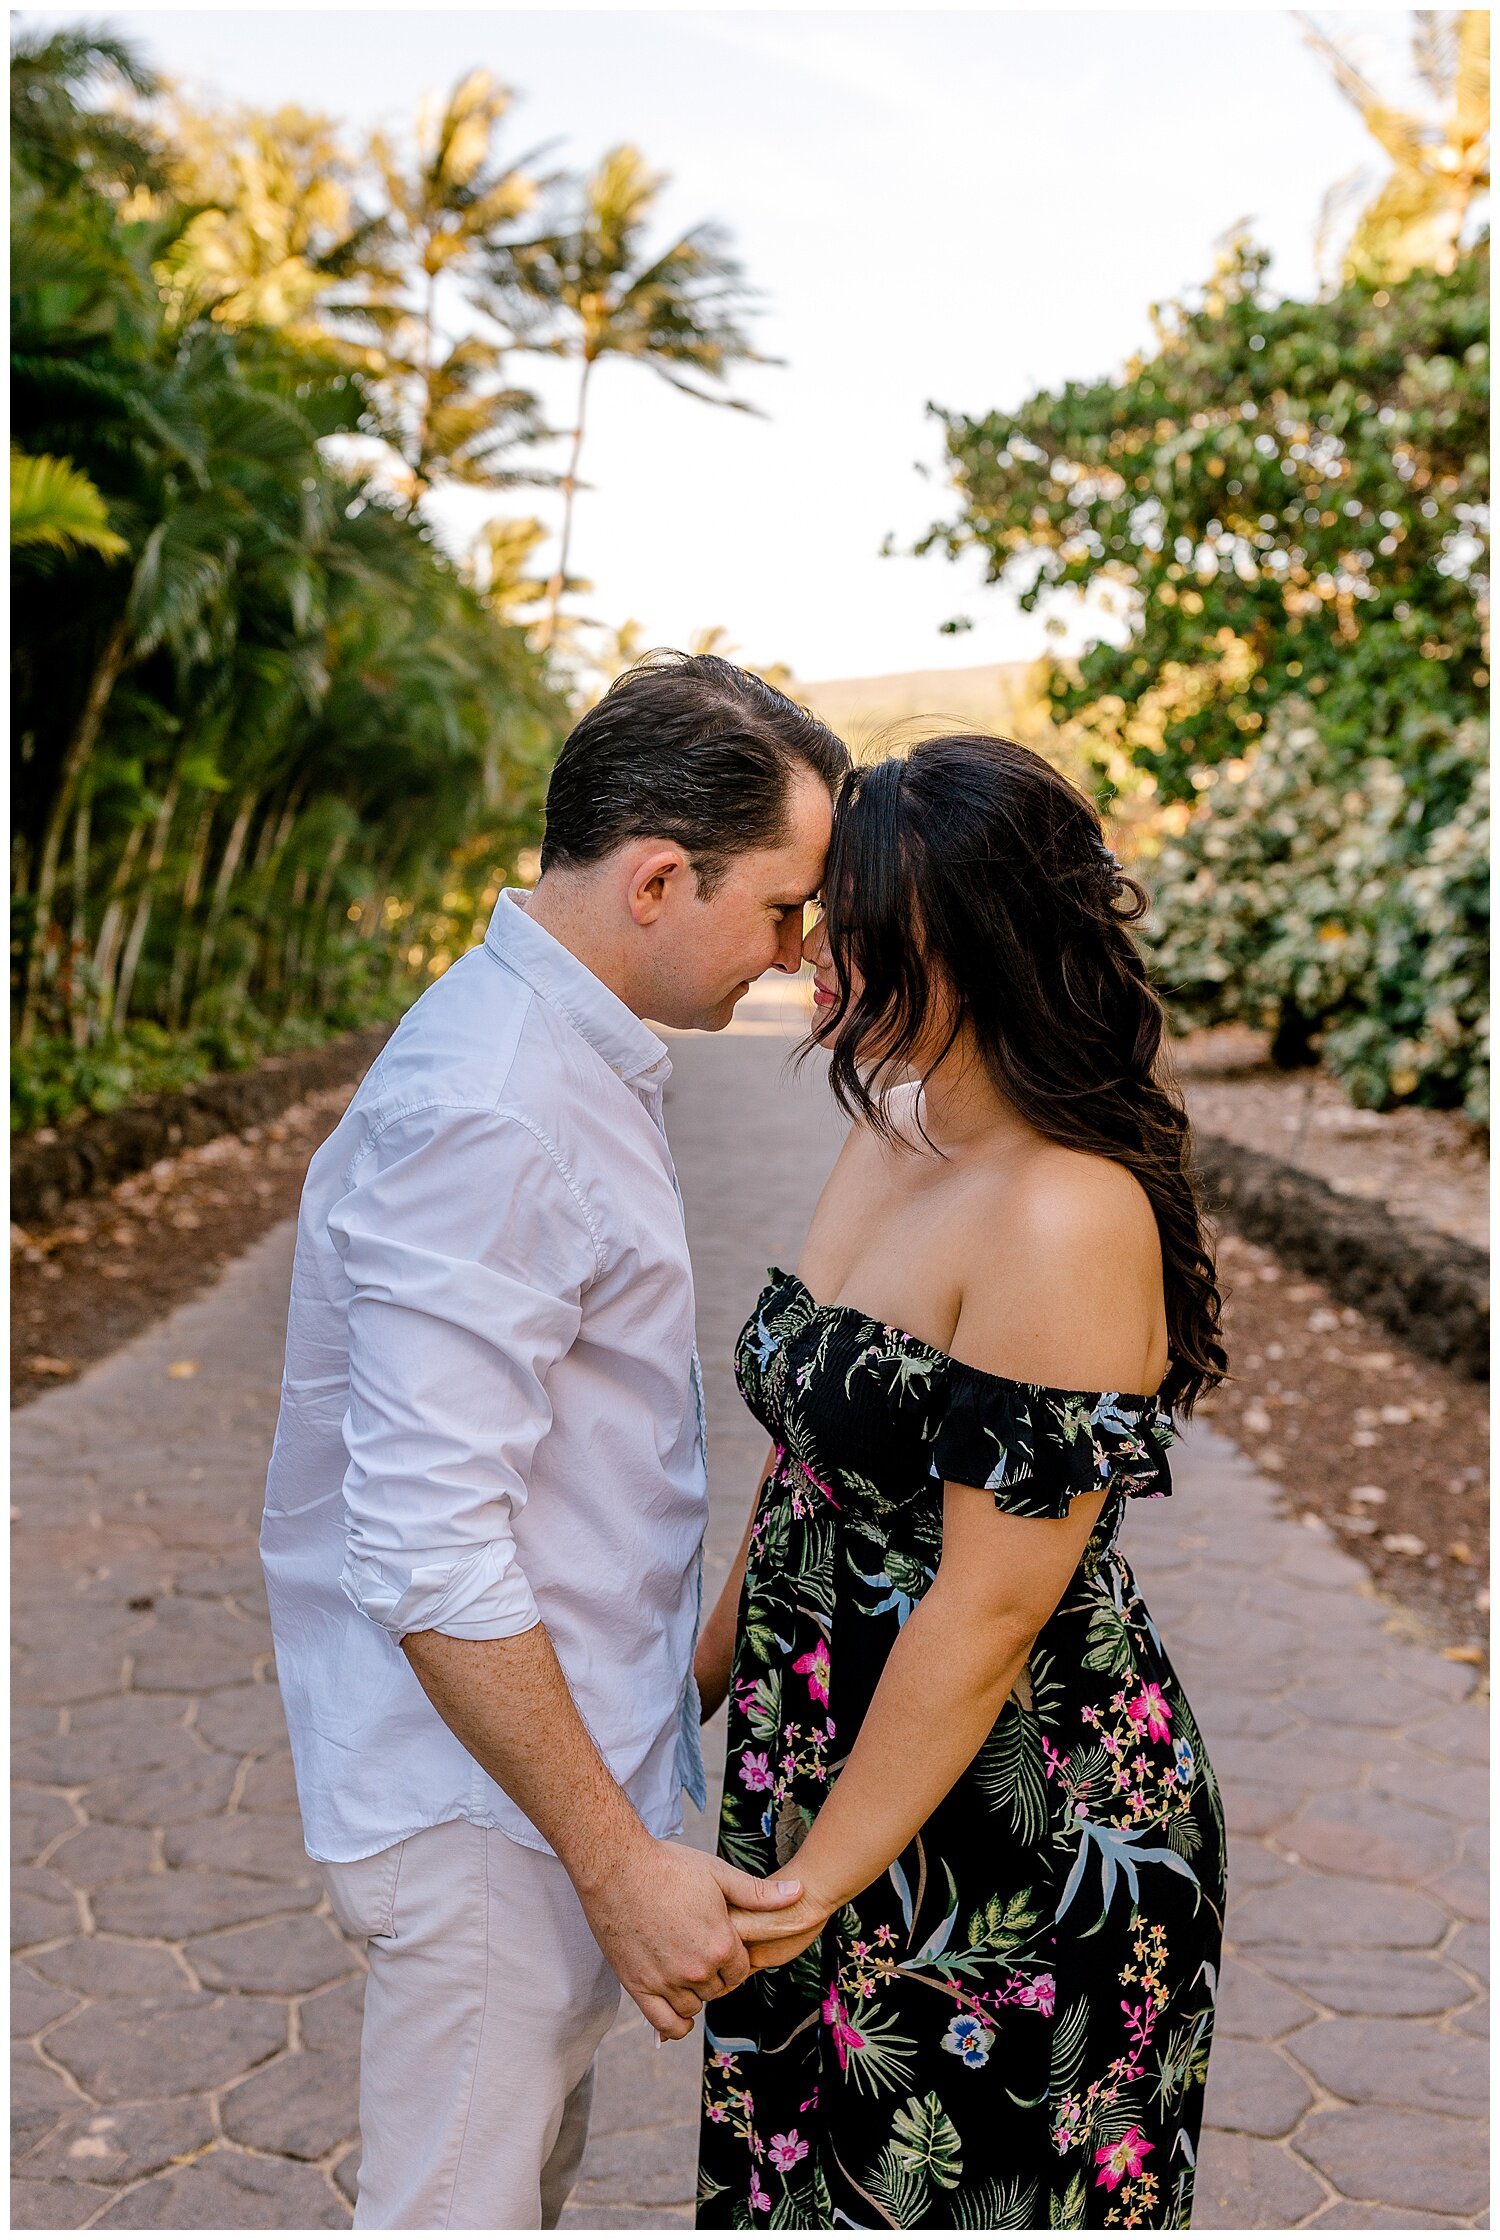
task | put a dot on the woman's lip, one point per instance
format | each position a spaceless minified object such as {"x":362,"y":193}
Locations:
{"x":822,"y":994}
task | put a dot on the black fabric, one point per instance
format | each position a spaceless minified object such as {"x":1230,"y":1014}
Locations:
{"x":1012,"y":2027}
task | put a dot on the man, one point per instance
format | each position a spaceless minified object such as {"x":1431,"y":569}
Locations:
{"x":485,"y":1507}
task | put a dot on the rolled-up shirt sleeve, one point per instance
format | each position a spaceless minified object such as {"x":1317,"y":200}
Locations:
{"x":467,"y":1250}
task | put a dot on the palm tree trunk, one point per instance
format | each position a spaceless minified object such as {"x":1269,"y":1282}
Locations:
{"x":229,"y":863}
{"x":106,"y":674}
{"x":107,"y":949}
{"x":570,"y":491}
{"x":192,"y":887}
{"x":137,"y":937}
{"x":78,"y":1018}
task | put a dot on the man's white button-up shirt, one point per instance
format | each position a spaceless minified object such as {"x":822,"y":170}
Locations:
{"x":491,"y":1409}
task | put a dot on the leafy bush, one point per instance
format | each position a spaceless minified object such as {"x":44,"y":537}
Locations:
{"x":1321,"y":894}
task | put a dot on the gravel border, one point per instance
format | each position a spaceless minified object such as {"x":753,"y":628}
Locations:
{"x":55,"y":1166}
{"x":1426,"y":1287}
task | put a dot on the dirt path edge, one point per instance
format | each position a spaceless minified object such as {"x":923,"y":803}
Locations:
{"x":79,"y":1161}
{"x":1426,"y":1287}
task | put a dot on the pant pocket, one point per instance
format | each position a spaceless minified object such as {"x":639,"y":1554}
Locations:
{"x":362,"y":1892}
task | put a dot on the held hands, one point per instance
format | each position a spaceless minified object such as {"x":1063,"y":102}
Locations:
{"x":771,"y":1939}
{"x":662,"y":1919}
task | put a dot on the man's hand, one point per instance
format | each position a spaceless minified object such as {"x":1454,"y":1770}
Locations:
{"x":771,"y":1940}
{"x":661,"y":1918}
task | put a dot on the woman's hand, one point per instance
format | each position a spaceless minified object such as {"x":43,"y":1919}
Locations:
{"x":770,"y":1940}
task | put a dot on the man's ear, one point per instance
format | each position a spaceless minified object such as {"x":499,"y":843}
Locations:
{"x":657,"y":864}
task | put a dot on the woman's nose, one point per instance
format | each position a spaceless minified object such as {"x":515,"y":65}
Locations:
{"x":815,"y":946}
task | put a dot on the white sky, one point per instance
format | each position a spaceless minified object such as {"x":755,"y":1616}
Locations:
{"x":955,"y":206}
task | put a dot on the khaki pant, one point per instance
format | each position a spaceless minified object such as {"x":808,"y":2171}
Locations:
{"x":486,"y":2003}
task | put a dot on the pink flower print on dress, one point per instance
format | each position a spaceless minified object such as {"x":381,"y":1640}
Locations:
{"x":759,"y":2198}
{"x":755,"y":1769}
{"x":1040,"y":1993}
{"x":846,"y":2039}
{"x":1152,"y":1710}
{"x":1123,"y":2159}
{"x":815,"y":1664}
{"x":787,"y":2150}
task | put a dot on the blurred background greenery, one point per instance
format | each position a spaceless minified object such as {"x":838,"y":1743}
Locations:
{"x":277,"y":744}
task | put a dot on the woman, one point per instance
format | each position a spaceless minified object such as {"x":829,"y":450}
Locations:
{"x":993,"y":2003}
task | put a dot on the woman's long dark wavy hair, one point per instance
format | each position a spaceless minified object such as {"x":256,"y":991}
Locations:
{"x":971,"y":865}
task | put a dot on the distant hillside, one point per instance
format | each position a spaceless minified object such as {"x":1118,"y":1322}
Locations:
{"x":876,"y":713}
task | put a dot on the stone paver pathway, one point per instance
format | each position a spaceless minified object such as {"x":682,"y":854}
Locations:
{"x":186,"y":2014}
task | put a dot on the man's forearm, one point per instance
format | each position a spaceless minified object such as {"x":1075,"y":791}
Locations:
{"x":510,"y":1705}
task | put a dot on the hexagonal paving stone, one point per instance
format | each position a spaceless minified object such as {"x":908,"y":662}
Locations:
{"x":645,"y":2168}
{"x":1399,"y":2159}
{"x":1258,"y":1808}
{"x":150,"y":2048}
{"x":43,"y":2205}
{"x":103,"y":1852}
{"x":114,"y":2145}
{"x":1254,"y":1866}
{"x":1404,"y":2064}
{"x":297,"y":1954}
{"x":1470,"y":1950}
{"x":1235,"y":2172}
{"x":305,"y":2105}
{"x":1466,"y":1888}
{"x":268,"y":1844}
{"x":1460,"y":1731}
{"x":1329,"y":1910}
{"x":1253,"y":2088}
{"x":1357,"y":1699}
{"x":229,"y":2191}
{"x":190,"y":1791}
{"x":1363,"y":2216}
{"x":1372,"y":1838}
{"x":346,"y":2174}
{"x":36,"y":1819}
{"x":185,"y":1903}
{"x":33,"y":2002}
{"x":1368,"y":1983}
{"x":1474,"y":2021}
{"x":198,"y":1646}
{"x":243,"y":1719}
{"x":67,"y":1675}
{"x":67,"y":1761}
{"x":41,"y":1906}
{"x":1251,"y":2005}
{"x":39,"y":2098}
{"x":270,"y":1785}
{"x":1432,"y":1784}
{"x":112,"y":1968}
{"x":331,"y":2020}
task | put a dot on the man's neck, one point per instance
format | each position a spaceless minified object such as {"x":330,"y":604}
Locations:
{"x":569,"y":909}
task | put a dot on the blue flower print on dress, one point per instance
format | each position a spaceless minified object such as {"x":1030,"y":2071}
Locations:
{"x":967,"y":2036}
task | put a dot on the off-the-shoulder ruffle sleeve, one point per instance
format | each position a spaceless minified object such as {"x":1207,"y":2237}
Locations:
{"x":1035,"y":1448}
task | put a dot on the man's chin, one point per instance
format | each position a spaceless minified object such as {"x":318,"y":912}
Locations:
{"x":710,"y":1019}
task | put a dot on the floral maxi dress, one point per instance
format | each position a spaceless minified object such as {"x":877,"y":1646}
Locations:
{"x":1011,"y":2028}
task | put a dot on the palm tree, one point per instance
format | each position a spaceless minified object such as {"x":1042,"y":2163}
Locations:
{"x":589,"y":289}
{"x":55,"y":507}
{"x":1441,"y":161}
{"x":452,"y":207}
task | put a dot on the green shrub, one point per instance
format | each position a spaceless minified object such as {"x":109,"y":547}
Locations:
{"x":1323,"y":897}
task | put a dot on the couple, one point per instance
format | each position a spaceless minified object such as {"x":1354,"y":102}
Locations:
{"x":957,"y":1956}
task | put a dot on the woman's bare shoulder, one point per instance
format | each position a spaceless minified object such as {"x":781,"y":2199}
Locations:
{"x":1074,"y":1297}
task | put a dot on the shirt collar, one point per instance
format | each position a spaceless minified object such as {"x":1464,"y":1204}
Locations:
{"x":624,"y":1042}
